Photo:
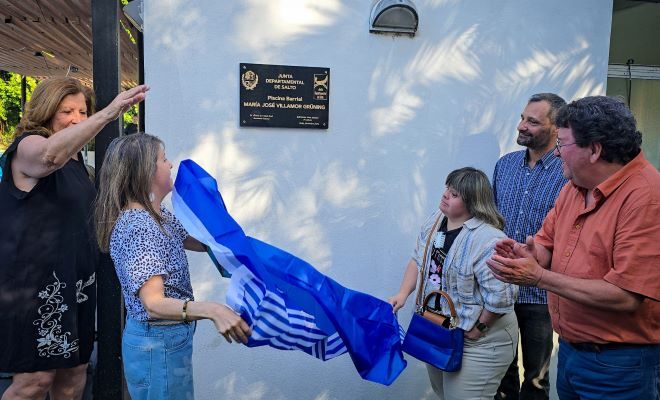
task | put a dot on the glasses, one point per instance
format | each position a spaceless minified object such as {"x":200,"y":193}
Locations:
{"x":559,"y":146}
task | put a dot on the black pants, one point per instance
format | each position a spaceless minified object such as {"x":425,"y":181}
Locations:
{"x":536,"y":342}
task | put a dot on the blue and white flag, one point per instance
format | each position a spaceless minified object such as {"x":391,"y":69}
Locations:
{"x":287,"y":302}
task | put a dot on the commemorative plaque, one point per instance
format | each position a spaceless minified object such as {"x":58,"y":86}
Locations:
{"x":283,"y":96}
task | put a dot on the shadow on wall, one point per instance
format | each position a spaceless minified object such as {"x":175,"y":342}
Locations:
{"x":403,"y":113}
{"x":426,"y":102}
{"x":478,"y":151}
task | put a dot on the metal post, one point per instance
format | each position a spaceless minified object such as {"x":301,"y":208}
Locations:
{"x":107,"y":83}
{"x":23,"y":92}
{"x":141,"y":106}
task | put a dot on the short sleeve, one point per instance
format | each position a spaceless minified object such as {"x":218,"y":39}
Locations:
{"x":144,"y":256}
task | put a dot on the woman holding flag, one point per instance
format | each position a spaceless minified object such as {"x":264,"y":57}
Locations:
{"x":146,"y":243}
{"x":467,"y":225}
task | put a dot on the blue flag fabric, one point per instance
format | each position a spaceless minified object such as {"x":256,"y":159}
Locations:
{"x":286,"y":301}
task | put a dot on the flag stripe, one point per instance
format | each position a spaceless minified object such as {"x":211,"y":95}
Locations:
{"x":288,"y":303}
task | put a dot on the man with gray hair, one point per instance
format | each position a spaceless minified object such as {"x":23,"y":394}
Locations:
{"x":526,"y":184}
{"x":597,"y":256}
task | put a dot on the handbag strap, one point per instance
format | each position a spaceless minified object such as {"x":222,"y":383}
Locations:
{"x":452,"y":310}
{"x":422,"y":270}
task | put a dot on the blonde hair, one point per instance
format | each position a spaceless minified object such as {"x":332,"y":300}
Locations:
{"x":126,"y":175}
{"x":45,"y":100}
{"x":477,"y":194}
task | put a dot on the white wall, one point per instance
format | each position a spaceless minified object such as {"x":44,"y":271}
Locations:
{"x":403,"y":113}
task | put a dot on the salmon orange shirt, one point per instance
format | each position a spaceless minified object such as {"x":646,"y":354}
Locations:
{"x":618,"y":240}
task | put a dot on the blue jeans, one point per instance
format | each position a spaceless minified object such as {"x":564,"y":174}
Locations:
{"x":630,"y":373}
{"x":158,"y":360}
{"x":536,"y":344}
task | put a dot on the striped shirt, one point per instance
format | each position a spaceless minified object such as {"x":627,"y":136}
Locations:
{"x":524,"y":196}
{"x":465,"y":275}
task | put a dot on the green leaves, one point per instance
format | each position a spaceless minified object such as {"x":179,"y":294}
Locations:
{"x":10,"y":104}
{"x":10,"y":99}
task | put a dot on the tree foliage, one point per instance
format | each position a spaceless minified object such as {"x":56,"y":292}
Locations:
{"x":10,"y":103}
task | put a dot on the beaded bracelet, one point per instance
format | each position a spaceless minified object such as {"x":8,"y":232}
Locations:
{"x":184,"y":310}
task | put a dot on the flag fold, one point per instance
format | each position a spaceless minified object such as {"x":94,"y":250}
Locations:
{"x":286,"y":301}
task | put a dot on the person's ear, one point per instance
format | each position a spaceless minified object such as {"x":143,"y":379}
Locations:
{"x":596,"y":151}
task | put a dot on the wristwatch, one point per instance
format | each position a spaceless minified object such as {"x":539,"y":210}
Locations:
{"x":483,"y":328}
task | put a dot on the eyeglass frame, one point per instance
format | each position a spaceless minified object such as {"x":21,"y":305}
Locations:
{"x":558,"y":146}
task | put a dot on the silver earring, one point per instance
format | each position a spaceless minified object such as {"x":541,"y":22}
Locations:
{"x":152,"y":196}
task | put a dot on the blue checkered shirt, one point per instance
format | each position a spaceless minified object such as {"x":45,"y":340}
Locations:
{"x":524,"y":196}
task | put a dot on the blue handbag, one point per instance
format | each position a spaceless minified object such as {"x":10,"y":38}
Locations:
{"x":431,"y":336}
{"x":434,"y":338}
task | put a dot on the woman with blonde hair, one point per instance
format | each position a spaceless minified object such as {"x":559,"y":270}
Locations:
{"x":47,"y":242}
{"x":463,"y":233}
{"x":147,"y":244}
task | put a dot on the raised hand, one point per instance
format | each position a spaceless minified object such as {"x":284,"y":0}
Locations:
{"x":124,"y":101}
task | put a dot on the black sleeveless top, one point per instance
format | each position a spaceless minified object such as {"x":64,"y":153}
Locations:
{"x":48,"y":259}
